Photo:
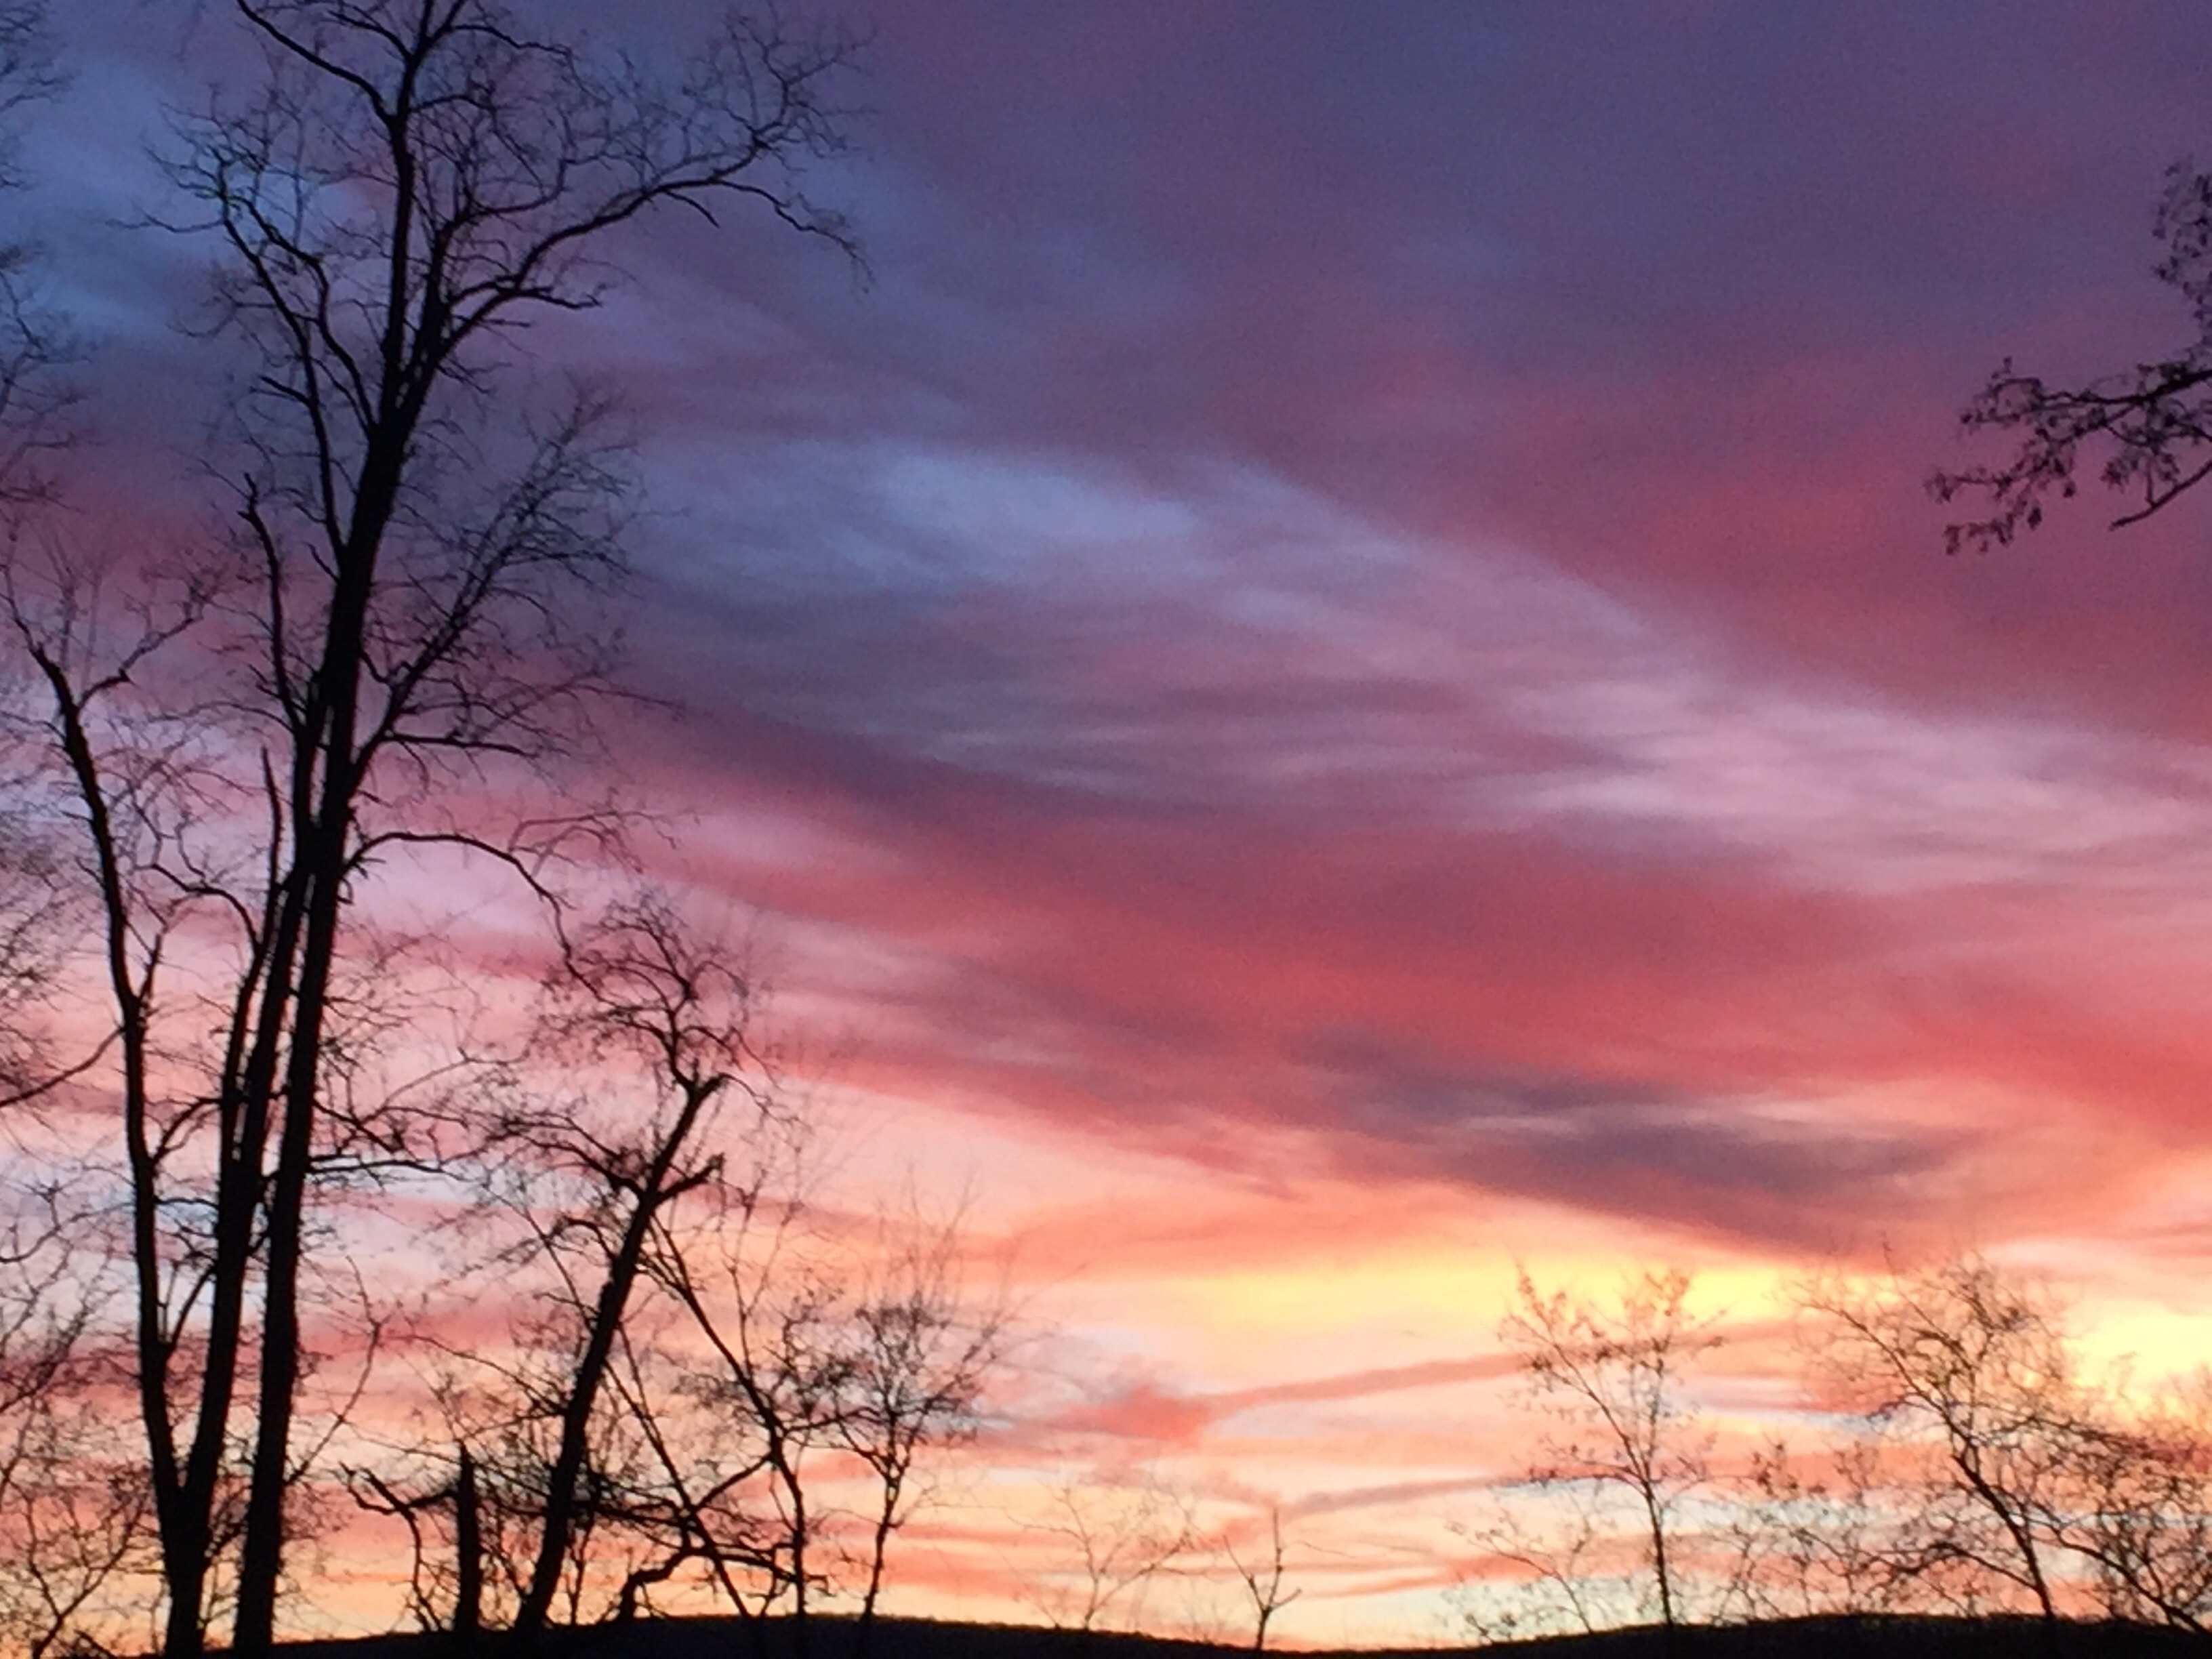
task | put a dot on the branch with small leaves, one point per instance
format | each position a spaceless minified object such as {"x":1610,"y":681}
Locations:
{"x":2146,"y":430}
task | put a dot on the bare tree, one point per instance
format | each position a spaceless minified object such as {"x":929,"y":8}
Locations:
{"x":923,"y":1353}
{"x":263,"y":726}
{"x":1118,"y":1539}
{"x":1262,"y":1577}
{"x":2147,"y":429}
{"x":771,"y":1312}
{"x":446,"y":1562}
{"x":817,"y":1351}
{"x":756,"y":1357}
{"x":2139,"y":1509}
{"x":1566,"y":1560}
{"x":720,"y":1478}
{"x":640,"y":989}
{"x":691,"y":1499}
{"x":1975,"y":1362}
{"x":469,"y":1489}
{"x":551,"y":1485}
{"x":1615,"y":1377}
{"x":72,"y":1499}
{"x":1813,"y":1533}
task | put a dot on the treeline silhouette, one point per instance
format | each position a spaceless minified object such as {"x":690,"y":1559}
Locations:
{"x":1961,"y":1460}
{"x":314,"y":1222}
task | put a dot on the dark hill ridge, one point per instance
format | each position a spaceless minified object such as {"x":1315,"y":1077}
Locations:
{"x":1873,"y":1636}
{"x":1863,"y":1637}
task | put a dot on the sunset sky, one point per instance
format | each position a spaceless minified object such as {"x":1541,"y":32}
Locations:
{"x":1337,"y":671}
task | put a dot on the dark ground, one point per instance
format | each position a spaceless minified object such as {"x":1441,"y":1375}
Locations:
{"x":1868,"y":1638}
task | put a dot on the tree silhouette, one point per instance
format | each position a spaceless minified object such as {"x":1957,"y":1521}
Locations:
{"x":1978,"y":1362}
{"x":242,"y":737}
{"x":1114,"y":1541}
{"x":1261,"y":1576}
{"x":2141,"y":1508}
{"x":922,"y":1354}
{"x":641,"y":987}
{"x":2147,"y":429}
{"x":1615,"y":1377}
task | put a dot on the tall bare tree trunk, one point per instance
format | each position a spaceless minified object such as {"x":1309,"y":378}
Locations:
{"x":468,"y":1550}
{"x":323,"y":852}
